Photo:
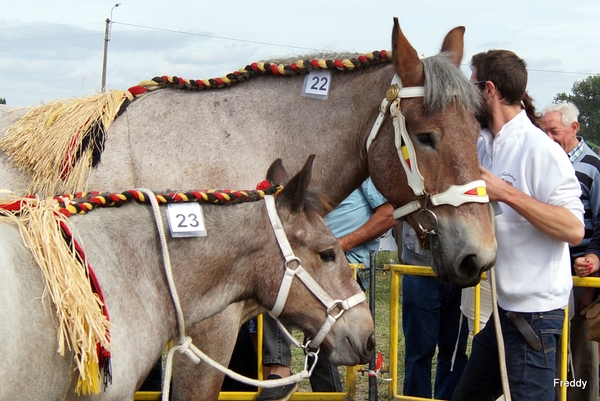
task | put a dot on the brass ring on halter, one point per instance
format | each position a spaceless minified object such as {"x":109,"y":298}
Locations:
{"x":432,"y":227}
{"x":336,"y":304}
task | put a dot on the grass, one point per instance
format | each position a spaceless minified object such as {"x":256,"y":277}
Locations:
{"x":382,"y":311}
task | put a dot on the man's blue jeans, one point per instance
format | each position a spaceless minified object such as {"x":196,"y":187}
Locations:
{"x":276,"y":349}
{"x":530,"y":373}
{"x":431,"y":318}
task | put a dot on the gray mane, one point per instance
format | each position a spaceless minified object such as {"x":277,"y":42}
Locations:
{"x":445,"y":84}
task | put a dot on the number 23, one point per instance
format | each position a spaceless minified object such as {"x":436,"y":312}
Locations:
{"x":191,"y":220}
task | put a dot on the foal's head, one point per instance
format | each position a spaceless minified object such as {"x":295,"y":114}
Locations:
{"x":351,"y":339}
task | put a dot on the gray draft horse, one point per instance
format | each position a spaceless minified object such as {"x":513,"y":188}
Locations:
{"x":209,"y":273}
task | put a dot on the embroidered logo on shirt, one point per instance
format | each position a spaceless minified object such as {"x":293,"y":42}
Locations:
{"x":508,"y":178}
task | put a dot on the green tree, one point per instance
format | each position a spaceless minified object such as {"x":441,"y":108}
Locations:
{"x":586,"y":96}
{"x":2,"y":100}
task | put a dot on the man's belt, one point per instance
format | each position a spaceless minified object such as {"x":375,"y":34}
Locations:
{"x":526,"y":330}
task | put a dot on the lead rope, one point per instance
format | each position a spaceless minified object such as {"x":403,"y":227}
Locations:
{"x":186,"y":347}
{"x":499,"y":336}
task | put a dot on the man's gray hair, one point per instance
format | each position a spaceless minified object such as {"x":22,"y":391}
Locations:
{"x":568,"y":111}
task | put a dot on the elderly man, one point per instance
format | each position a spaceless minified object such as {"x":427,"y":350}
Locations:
{"x":560,"y":122}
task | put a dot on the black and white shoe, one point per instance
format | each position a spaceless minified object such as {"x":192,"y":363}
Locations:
{"x":282,"y":393}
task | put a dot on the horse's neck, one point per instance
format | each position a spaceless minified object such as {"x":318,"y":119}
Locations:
{"x":209,"y":272}
{"x":227,"y":138}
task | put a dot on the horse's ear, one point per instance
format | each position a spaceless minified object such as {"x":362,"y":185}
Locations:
{"x":294,"y":192}
{"x":277,"y":173}
{"x":406,"y":60}
{"x":454,"y":44}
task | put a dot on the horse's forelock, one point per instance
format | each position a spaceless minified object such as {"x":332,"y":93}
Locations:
{"x":446,"y":84}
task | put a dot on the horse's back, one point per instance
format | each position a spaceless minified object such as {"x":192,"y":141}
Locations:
{"x":30,"y":366}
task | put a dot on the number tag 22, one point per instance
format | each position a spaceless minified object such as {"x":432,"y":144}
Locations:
{"x":316,"y":84}
{"x":186,"y":220}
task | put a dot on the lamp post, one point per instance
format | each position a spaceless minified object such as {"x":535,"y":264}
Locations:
{"x":106,"y":40}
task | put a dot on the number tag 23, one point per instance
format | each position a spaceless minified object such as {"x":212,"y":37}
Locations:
{"x":186,"y":220}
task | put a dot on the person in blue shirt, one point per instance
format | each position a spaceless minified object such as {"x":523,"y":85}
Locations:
{"x":357,"y":223}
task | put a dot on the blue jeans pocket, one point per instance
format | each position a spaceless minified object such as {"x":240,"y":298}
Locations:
{"x":550,"y":338}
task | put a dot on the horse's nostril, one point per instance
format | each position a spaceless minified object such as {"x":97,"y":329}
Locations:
{"x":371,"y":343}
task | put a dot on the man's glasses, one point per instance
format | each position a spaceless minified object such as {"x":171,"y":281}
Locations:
{"x":480,"y":84}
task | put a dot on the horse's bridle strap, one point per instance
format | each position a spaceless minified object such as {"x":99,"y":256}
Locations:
{"x":306,"y":279}
{"x":456,"y":195}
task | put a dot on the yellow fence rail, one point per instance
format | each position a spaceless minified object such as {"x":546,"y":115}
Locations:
{"x":398,"y":270}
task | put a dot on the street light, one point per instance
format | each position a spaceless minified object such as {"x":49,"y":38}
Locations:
{"x":106,"y":40}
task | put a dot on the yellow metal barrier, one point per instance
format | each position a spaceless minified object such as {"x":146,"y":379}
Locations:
{"x":348,"y":395}
{"x":397,"y":270}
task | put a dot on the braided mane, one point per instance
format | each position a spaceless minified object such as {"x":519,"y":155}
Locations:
{"x":276,"y":68}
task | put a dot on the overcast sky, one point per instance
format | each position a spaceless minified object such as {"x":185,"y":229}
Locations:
{"x":52,"y":49}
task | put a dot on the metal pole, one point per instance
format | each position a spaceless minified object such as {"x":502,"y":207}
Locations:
{"x":104,"y":59}
{"x":373,"y":396}
{"x":106,"y":40}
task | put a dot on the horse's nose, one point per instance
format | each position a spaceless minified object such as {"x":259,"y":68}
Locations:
{"x":371,"y":343}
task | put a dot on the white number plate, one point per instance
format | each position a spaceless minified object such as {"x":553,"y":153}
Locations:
{"x":186,"y":220}
{"x":317,"y":84}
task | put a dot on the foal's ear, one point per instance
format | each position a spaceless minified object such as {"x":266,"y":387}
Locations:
{"x":454,"y":44}
{"x":294,"y":192}
{"x":277,"y":173}
{"x":406,"y":60}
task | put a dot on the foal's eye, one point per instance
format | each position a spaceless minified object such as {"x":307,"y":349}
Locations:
{"x":327,"y":256}
{"x":426,"y":139}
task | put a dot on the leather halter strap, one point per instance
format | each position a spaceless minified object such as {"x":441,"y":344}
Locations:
{"x":456,"y":195}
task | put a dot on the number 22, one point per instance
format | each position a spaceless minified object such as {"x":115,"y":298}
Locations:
{"x":315,"y":85}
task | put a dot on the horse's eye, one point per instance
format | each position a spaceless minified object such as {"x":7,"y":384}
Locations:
{"x":426,"y":139}
{"x":327,"y":256}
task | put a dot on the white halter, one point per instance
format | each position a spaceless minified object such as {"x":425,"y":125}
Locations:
{"x":290,"y":259}
{"x":456,"y":195}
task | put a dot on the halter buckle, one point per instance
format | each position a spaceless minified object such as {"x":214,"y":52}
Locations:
{"x":289,"y":261}
{"x":392,"y":92}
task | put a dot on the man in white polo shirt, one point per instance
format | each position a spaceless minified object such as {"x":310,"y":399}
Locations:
{"x":535,"y":185}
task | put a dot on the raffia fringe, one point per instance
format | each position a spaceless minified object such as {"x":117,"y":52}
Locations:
{"x":46,"y":138}
{"x":81,"y":323}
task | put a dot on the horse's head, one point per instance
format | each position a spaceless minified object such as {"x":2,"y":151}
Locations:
{"x":322,"y":289}
{"x":436,"y":151}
